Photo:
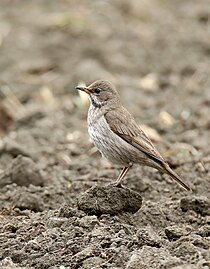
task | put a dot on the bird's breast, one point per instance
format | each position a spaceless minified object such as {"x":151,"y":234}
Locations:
{"x":108,"y":143}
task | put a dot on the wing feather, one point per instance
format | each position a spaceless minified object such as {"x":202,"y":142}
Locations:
{"x":123,"y":124}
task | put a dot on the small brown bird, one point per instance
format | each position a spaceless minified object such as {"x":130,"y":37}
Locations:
{"x":116,"y":134}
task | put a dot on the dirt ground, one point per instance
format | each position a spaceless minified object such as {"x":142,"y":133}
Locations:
{"x":157,"y":53}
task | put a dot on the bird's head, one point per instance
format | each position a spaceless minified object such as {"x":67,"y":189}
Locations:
{"x":101,"y":92}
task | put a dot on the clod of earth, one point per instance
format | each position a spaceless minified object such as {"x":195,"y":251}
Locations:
{"x":109,"y":200}
{"x":22,"y":171}
{"x":26,"y":200}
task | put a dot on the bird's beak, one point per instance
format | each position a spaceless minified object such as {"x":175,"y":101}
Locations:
{"x":84,"y":89}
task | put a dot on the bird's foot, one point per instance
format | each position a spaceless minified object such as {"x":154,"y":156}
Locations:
{"x":117,"y":184}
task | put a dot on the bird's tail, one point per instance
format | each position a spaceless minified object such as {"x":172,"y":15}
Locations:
{"x":171,"y":173}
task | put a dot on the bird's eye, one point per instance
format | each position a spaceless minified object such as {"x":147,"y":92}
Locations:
{"x":97,"y":90}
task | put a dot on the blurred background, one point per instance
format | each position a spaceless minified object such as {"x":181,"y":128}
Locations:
{"x":156,"y":52}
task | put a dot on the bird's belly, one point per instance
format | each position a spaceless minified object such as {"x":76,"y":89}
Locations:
{"x":112,"y":146}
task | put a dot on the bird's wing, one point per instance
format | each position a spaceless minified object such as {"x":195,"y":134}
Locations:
{"x":123,"y":124}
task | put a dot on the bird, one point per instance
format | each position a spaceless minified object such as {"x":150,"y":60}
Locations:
{"x":116,"y":134}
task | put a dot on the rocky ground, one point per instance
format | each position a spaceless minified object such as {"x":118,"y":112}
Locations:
{"x":56,"y":208}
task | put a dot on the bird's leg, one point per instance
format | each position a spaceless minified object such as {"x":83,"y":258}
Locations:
{"x":122,"y":174}
{"x":118,"y":182}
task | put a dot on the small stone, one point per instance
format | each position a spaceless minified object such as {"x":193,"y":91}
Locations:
{"x":198,"y":204}
{"x":175,"y":232}
{"x":109,"y":200}
{"x":147,"y":236}
{"x":88,"y":221}
{"x":56,"y":222}
{"x":83,"y":254}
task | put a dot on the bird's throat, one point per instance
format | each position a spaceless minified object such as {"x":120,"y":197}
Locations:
{"x":94,"y":102}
